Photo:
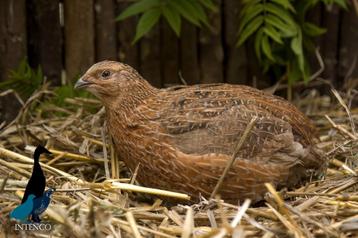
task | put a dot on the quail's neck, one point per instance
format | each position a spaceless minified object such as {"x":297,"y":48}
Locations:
{"x":131,"y":98}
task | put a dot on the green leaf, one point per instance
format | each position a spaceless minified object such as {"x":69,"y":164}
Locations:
{"x":196,"y":7}
{"x":296,"y":46}
{"x":312,"y":30}
{"x":293,"y":73}
{"x":303,"y":6}
{"x":247,"y":4}
{"x":281,"y":13}
{"x":186,"y":10}
{"x":307,"y":72}
{"x":250,"y":29}
{"x":286,"y":31}
{"x":250,"y":14}
{"x":271,"y":32}
{"x":301,"y":62}
{"x":24,"y":80}
{"x":173,"y":18}
{"x":138,"y":7}
{"x":266,"y":48}
{"x":209,"y":4}
{"x":146,"y":23}
{"x":285,"y":3}
{"x":257,"y":44}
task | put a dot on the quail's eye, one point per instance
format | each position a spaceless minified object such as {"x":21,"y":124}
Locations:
{"x":105,"y":74}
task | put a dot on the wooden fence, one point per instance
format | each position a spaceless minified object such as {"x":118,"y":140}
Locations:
{"x":70,"y":35}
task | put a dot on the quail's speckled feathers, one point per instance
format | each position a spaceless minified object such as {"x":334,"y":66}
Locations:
{"x":182,"y":137}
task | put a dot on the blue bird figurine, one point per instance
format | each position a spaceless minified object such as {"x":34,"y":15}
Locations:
{"x":22,"y":212}
{"x":41,"y":204}
{"x":37,"y":181}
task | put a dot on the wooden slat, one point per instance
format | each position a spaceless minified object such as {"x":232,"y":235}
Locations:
{"x":235,"y":58}
{"x":169,"y":55}
{"x":150,"y":57}
{"x":329,"y":43}
{"x":79,"y":37}
{"x":211,"y":50}
{"x":12,"y":35}
{"x":128,"y":53}
{"x":189,"y":61}
{"x":348,"y":52}
{"x":315,"y":16}
{"x":12,"y":49}
{"x":106,"y":32}
{"x":44,"y":38}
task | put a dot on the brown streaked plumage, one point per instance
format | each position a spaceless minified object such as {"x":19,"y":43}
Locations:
{"x":183,"y":137}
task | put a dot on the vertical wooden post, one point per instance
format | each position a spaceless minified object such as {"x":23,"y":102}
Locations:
{"x":106,"y":32}
{"x":211,"y":49}
{"x":12,"y":49}
{"x":169,"y":55}
{"x":150,"y":57}
{"x":329,"y":43}
{"x":12,"y":35}
{"x":44,"y":38}
{"x":348,"y":51}
{"x":79,"y":37}
{"x":128,"y":53}
{"x":235,"y":60}
{"x":189,"y":61}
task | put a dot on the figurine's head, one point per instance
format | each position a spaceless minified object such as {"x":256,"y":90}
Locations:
{"x":41,"y":150}
{"x":49,"y":192}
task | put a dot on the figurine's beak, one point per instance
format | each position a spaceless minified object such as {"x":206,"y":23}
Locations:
{"x":82,"y":83}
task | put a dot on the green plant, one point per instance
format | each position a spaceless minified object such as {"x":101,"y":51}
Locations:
{"x":172,"y":10}
{"x":24,"y":80}
{"x":282,"y":35}
{"x":67,"y":91}
{"x":59,"y":100}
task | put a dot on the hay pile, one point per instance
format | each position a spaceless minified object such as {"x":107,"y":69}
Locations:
{"x":96,"y":195}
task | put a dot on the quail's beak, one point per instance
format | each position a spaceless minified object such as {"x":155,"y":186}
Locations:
{"x":81,"y":83}
{"x":48,"y":152}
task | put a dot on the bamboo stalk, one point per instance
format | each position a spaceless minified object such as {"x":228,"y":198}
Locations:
{"x":68,"y":155}
{"x":188,"y":226}
{"x":343,"y":165}
{"x":15,"y":156}
{"x":140,"y":189}
{"x":341,"y":129}
{"x":15,"y":168}
{"x":234,"y":155}
{"x":158,"y":233}
{"x":133,"y":225}
{"x":289,"y":222}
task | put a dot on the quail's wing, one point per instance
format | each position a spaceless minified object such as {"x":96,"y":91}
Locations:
{"x":212,"y":120}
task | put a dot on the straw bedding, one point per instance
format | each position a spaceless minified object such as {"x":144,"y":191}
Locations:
{"x":97,"y":196}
